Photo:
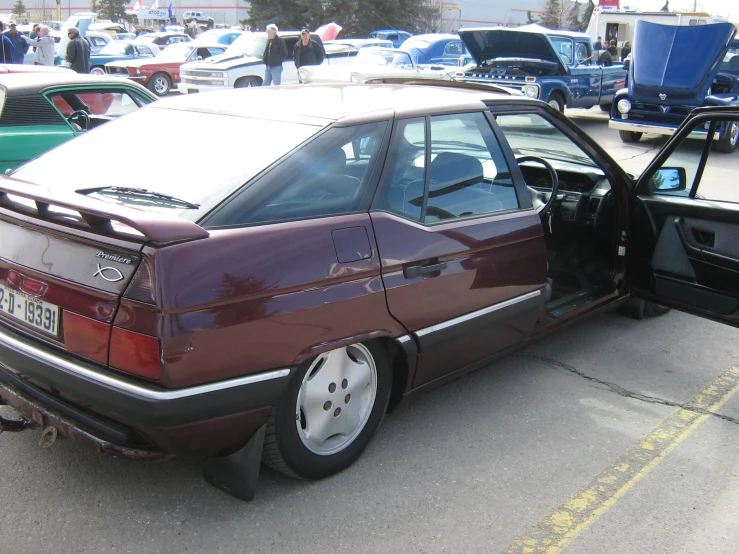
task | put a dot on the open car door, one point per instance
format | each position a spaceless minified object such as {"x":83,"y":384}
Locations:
{"x":684,"y":245}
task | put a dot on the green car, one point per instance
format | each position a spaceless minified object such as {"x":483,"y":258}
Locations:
{"x":39,"y":111}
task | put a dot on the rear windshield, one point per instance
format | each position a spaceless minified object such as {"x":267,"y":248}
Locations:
{"x":200,"y":157}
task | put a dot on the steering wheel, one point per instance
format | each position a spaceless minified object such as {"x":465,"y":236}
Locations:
{"x":80,"y":118}
{"x":541,"y":202}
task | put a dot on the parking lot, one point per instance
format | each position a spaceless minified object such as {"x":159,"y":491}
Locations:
{"x":613,"y":435}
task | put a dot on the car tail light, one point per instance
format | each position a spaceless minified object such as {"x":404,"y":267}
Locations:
{"x":86,"y":337}
{"x":134,"y":341}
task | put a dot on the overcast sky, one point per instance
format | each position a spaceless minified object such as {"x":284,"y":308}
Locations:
{"x":714,"y":7}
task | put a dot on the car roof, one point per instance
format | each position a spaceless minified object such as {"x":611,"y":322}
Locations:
{"x":433,"y":37}
{"x":323,"y":104}
{"x":21,"y":84}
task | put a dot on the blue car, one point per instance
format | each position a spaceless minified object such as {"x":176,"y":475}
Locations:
{"x":395,"y":36}
{"x":674,"y":70}
{"x":436,"y":48}
{"x":219,"y":36}
{"x":117,"y":50}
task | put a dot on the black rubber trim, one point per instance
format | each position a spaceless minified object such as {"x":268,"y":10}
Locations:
{"x":148,"y":411}
{"x":435,"y":338}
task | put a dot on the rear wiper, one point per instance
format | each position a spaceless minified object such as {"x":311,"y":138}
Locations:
{"x":141,"y":193}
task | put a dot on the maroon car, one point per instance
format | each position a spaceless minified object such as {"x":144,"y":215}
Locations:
{"x":273,"y":292}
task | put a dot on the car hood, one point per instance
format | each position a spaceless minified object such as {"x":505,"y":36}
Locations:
{"x":223,"y":61}
{"x":528,"y":42}
{"x":676,"y":65}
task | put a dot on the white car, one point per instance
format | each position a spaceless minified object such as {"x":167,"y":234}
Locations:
{"x":241,"y":65}
{"x":375,"y":63}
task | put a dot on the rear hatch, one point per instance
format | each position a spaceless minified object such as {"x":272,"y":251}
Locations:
{"x":73,"y":277}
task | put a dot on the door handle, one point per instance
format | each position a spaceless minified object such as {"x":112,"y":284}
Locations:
{"x":413,"y":271}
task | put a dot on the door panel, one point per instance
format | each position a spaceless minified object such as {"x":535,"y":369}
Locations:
{"x":684,"y":248}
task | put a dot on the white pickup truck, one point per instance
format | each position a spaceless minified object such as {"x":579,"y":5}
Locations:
{"x":241,"y":65}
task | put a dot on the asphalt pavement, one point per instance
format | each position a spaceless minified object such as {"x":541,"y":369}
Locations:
{"x":612,"y":436}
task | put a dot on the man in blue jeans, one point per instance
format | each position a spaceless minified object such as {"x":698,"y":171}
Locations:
{"x":275,"y":52}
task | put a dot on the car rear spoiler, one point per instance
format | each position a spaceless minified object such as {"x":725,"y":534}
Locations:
{"x":97,"y":215}
{"x":440,"y":83}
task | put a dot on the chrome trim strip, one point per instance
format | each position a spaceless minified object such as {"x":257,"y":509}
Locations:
{"x":403,"y":339}
{"x":478,"y":313}
{"x":655,"y":129}
{"x":127,"y":386}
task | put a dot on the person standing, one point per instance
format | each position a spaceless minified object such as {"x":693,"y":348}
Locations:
{"x":78,"y":51}
{"x":275,"y":52}
{"x":625,"y":51}
{"x":613,"y":49}
{"x":44,"y":44}
{"x":598,"y":44}
{"x":7,"y":52}
{"x":307,"y":51}
{"x":19,"y":45}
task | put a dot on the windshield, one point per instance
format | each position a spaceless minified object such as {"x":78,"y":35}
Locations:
{"x":563,"y":47}
{"x":731,"y":60}
{"x":180,"y":50}
{"x":532,"y":135}
{"x":248,"y":45}
{"x":114,"y":48}
{"x":415,"y":43}
{"x":190,"y":165}
{"x":383,"y":56}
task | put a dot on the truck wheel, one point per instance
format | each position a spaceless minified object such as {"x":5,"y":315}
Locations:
{"x":248,"y":82}
{"x":728,"y":143}
{"x":557,"y":102}
{"x":159,"y":84}
{"x":606,"y":108}
{"x":97,"y":70}
{"x":630,"y":136}
{"x":329,"y":412}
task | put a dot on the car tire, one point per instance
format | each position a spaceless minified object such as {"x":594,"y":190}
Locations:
{"x":160,"y":84}
{"x":728,"y":143}
{"x":606,"y":108}
{"x":97,"y":70}
{"x":557,"y":101}
{"x":314,"y":399}
{"x":630,"y":136}
{"x":248,"y":82}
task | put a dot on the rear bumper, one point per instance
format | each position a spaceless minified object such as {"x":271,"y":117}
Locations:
{"x":149,"y":410}
{"x":191,"y":88}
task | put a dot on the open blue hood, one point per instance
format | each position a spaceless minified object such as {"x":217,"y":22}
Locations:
{"x":675,"y":65}
{"x":529,"y":42}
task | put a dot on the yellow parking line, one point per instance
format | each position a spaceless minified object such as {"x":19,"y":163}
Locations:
{"x":557,"y":530}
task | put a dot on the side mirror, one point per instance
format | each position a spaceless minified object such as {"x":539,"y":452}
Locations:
{"x":668,"y":179}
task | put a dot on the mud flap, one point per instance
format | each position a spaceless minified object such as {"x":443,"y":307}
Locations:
{"x":238,"y":473}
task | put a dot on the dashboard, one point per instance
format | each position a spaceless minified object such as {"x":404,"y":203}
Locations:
{"x":581,"y":188}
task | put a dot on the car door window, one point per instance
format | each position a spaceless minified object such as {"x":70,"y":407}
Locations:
{"x":467,"y":175}
{"x":143,"y":51}
{"x":328,"y":176}
{"x":700,"y":167}
{"x":107,"y":103}
{"x":453,"y":49}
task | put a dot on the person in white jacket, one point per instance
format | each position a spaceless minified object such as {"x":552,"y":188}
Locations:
{"x":44,"y":44}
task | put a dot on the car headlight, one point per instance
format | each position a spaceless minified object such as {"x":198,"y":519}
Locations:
{"x":138,"y":71}
{"x":531,"y":92}
{"x":624,"y":106}
{"x":217,"y":75}
{"x":355,"y":79}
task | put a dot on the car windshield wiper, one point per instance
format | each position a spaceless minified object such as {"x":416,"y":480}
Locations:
{"x":151,"y":196}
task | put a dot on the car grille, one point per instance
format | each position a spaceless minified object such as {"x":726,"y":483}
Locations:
{"x":673,"y":115}
{"x":117,"y":71}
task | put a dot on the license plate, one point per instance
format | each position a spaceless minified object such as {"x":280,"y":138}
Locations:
{"x":20,"y":306}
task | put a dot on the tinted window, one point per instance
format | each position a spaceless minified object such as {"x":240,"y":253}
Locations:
{"x":467,"y":176}
{"x":326,"y":177}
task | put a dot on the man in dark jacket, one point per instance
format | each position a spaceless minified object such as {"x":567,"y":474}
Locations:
{"x":275,"y":52}
{"x":307,"y":51}
{"x":78,"y":51}
{"x":7,"y":52}
{"x":19,"y":45}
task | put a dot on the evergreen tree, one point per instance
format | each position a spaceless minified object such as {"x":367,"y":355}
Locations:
{"x":553,"y":15}
{"x":530,"y":18}
{"x":19,"y":8}
{"x":114,"y":10}
{"x":573,"y":18}
{"x":94,"y":6}
{"x":666,"y":7}
{"x":587,"y":14}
